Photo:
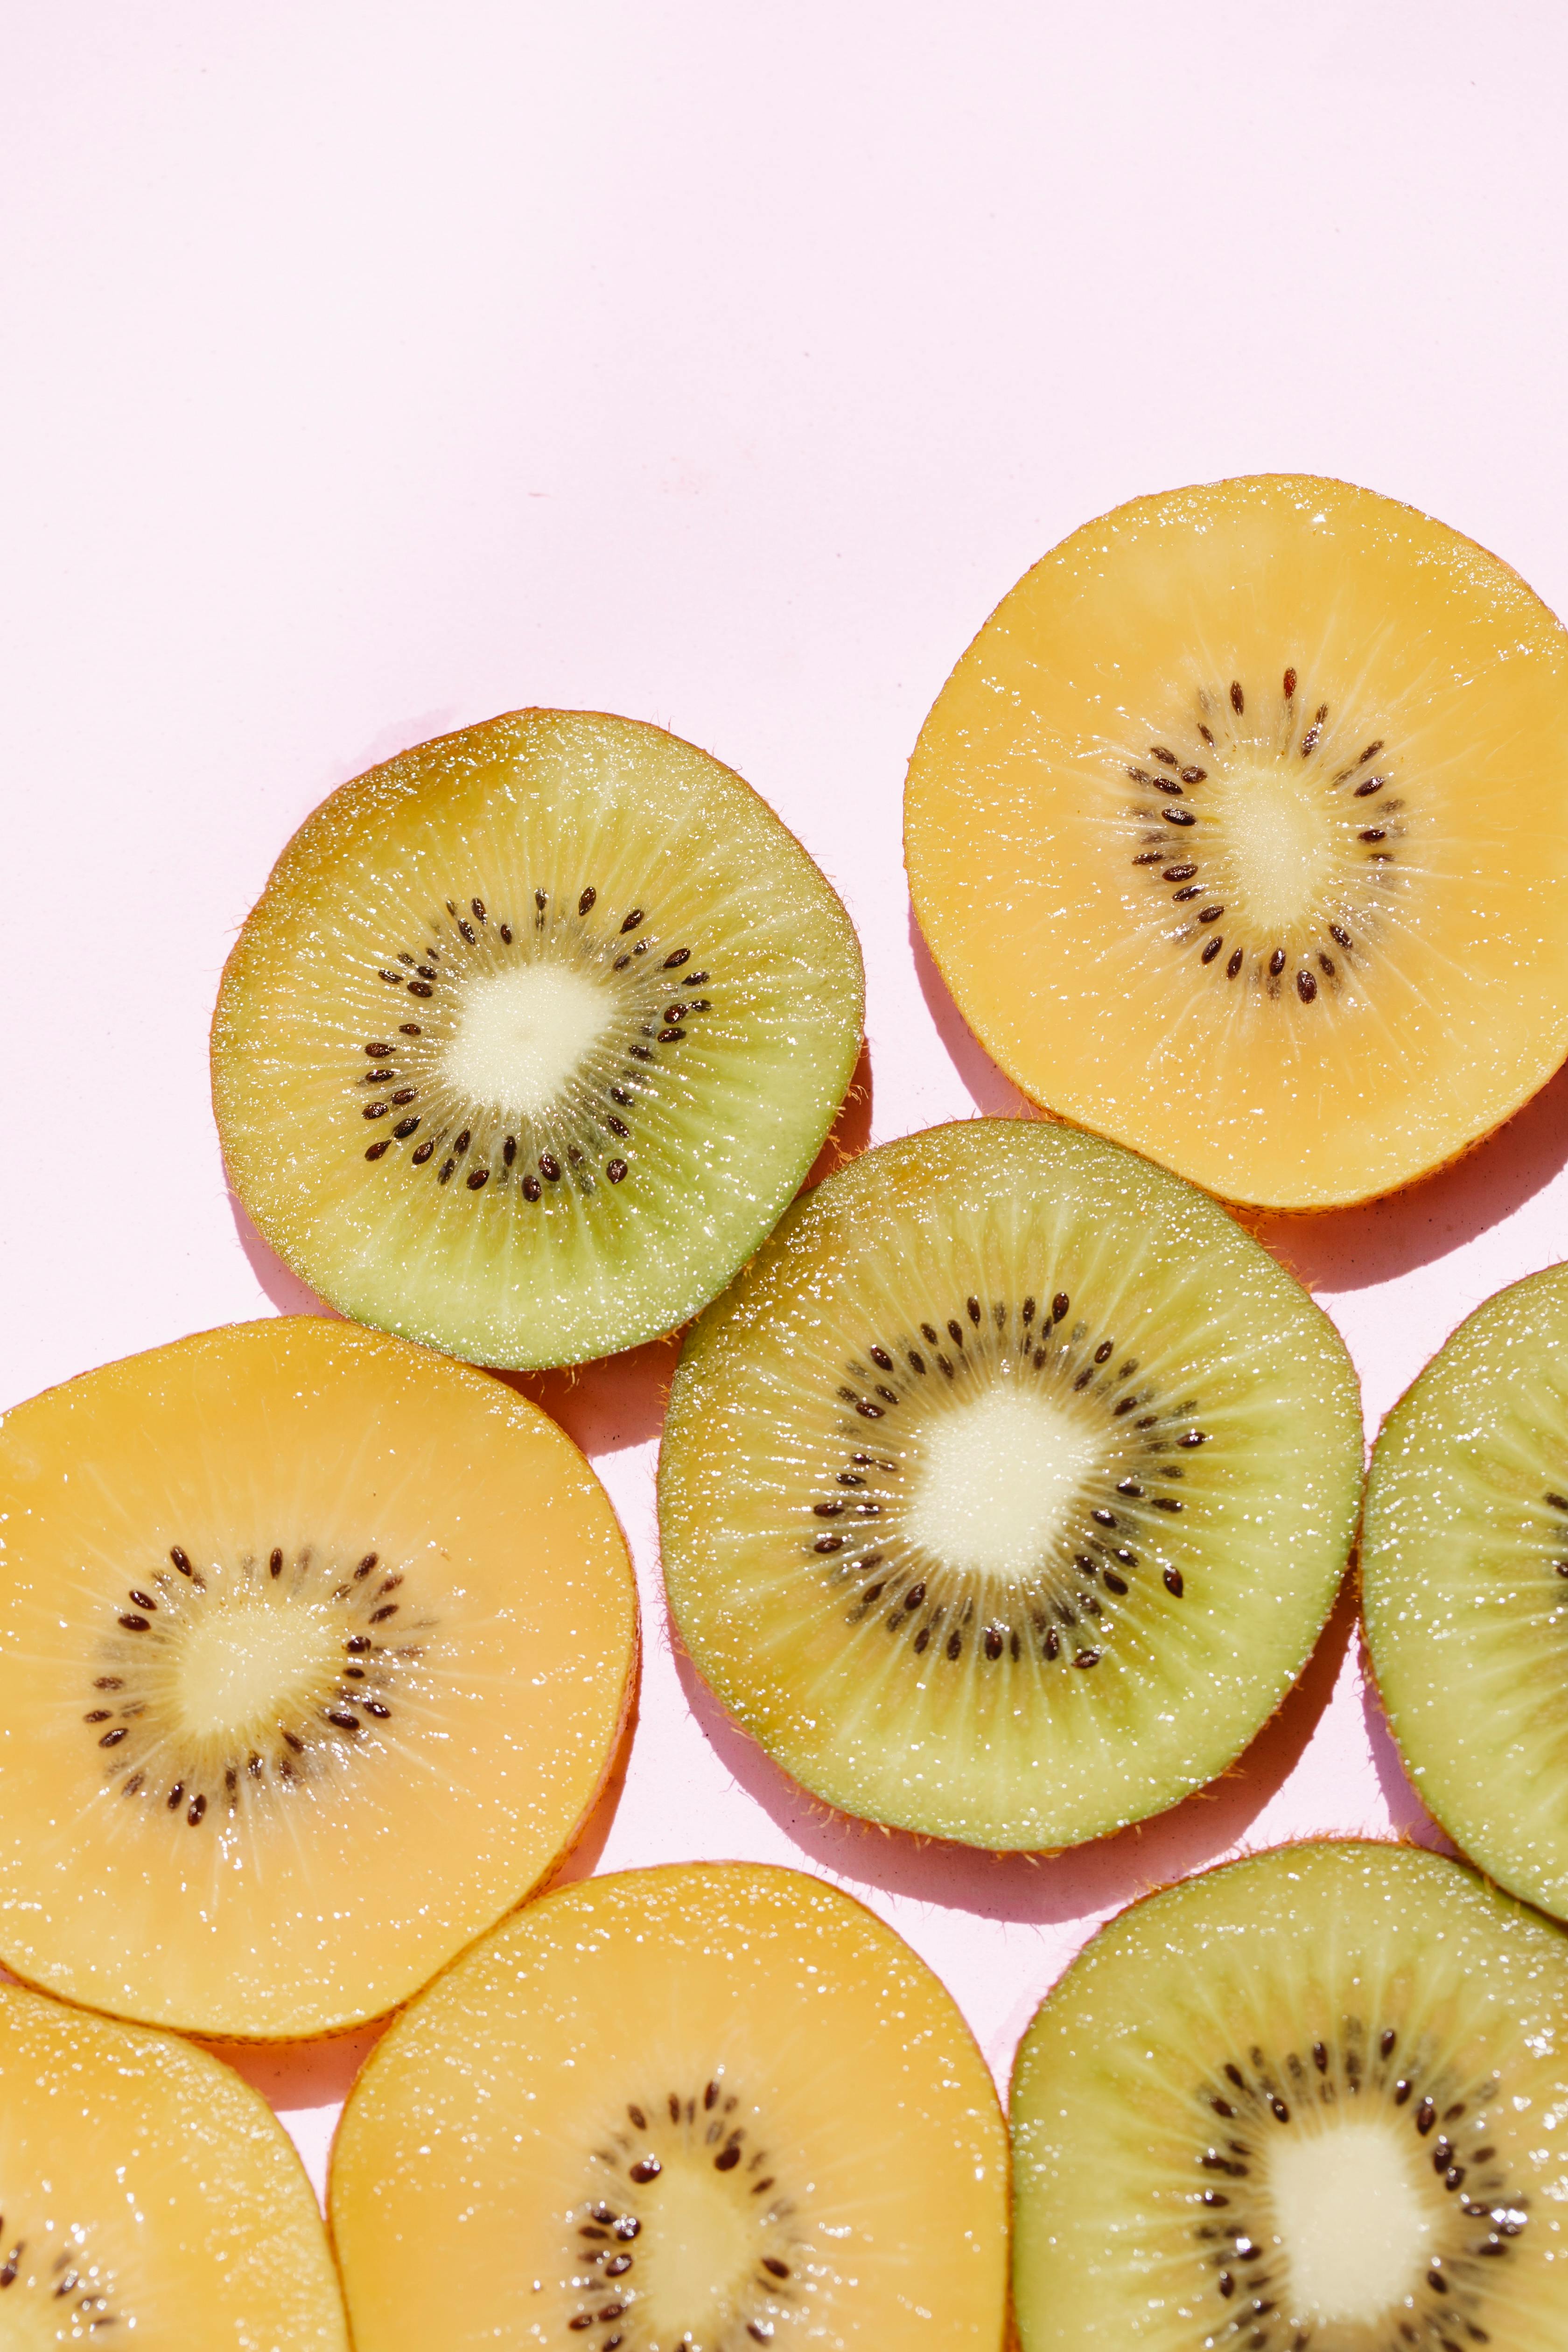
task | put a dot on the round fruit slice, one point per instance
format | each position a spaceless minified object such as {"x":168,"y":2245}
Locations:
{"x":1237,"y":834}
{"x":149,"y":2197}
{"x":315,"y":1653}
{"x":704,"y":2107}
{"x":1005,"y":1494}
{"x":1313,"y":2099}
{"x":1465,"y":1585}
{"x":532,"y":1034}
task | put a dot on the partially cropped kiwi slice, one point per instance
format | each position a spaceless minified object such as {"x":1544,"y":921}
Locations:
{"x":531,"y":1035}
{"x":1465,"y":1585}
{"x":148,"y":2197}
{"x":314,"y":1652}
{"x":1237,"y":834}
{"x":1316,"y":2099}
{"x":692,"y":2109}
{"x":1006,"y":1493}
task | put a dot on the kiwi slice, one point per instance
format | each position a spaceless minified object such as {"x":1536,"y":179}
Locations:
{"x":531,"y":1035}
{"x":1312,"y":2099}
{"x":1236,"y":834}
{"x":148,"y":2197}
{"x":691,"y":2109}
{"x":1465,"y":1585}
{"x":315,"y":1650}
{"x":1006,"y":1491}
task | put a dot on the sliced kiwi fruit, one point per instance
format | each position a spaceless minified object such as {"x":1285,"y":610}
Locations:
{"x":1006,"y":1493}
{"x":531,"y":1035}
{"x":315,"y":1650}
{"x":1465,"y":1585}
{"x":690,"y":2109}
{"x":148,"y":2197}
{"x":1316,"y":2099}
{"x":1237,"y":834}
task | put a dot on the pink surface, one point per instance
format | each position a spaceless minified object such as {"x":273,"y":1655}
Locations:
{"x":375,"y":369}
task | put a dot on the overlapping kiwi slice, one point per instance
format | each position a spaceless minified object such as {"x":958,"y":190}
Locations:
{"x":531,"y":1035}
{"x":1238,"y":835}
{"x":315,"y":1652}
{"x":148,"y":2197}
{"x":691,"y":2109}
{"x":1465,"y":1585}
{"x":1006,"y":1493}
{"x":1313,"y":2102}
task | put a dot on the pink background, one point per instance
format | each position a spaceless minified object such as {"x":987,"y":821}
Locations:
{"x":373,"y":368}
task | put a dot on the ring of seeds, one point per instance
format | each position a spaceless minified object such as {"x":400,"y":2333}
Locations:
{"x":1007,"y":1490}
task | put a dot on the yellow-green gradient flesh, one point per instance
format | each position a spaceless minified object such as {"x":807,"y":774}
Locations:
{"x":1238,"y":835}
{"x":1212,"y":1402}
{"x":1465,"y":1583}
{"x":1317,"y":2099}
{"x":828,"y":2161}
{"x":690,"y":1141}
{"x":151,"y":2199}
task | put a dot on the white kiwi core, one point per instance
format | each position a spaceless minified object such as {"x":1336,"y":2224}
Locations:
{"x":521,"y":1032}
{"x":247,"y":1664}
{"x":1279,"y":845}
{"x":996,"y":1475}
{"x":1356,"y":2230}
{"x":697,"y":2258}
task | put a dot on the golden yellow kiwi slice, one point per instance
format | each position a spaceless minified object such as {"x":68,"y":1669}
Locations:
{"x":692,"y":2109}
{"x":1235,"y":834}
{"x":1464,"y":1557}
{"x":148,"y":2197}
{"x":1004,"y":1495}
{"x":531,"y":1037}
{"x":314,"y":1654}
{"x":1312,"y":2102}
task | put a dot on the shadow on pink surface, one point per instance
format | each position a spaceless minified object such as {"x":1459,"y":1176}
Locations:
{"x":1352,"y":1249}
{"x":295,"y":2074}
{"x":1085,"y":1880}
{"x":280,"y":1283}
{"x":991,"y":1092}
{"x":1406,"y":1812}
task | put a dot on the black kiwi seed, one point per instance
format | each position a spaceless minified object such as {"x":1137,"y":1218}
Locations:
{"x":1238,"y":700}
{"x":1276,"y":962}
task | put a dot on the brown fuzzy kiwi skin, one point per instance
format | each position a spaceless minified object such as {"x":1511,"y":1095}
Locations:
{"x":1010,"y":2339}
{"x":1248,"y":1211}
{"x":279,"y":1244}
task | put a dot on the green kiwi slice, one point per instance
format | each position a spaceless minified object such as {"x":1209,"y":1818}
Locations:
{"x":531,"y":1035}
{"x":1315,"y":2099}
{"x":1465,"y":1585}
{"x":1006,"y":1493}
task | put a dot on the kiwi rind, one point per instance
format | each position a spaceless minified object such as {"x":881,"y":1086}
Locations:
{"x":1341,"y":1977}
{"x":665,"y":1173}
{"x":744,"y":1464}
{"x":1464,"y":1563}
